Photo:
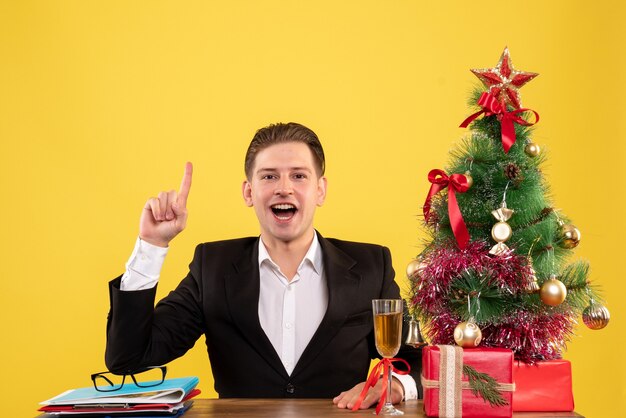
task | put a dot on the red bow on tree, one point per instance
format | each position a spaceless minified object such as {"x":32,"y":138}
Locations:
{"x":455,"y":183}
{"x":491,"y":106}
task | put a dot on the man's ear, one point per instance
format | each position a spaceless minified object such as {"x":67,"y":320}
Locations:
{"x":246,"y":191}
{"x":321,"y":190}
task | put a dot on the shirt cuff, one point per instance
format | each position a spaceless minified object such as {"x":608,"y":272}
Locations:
{"x":143,"y":267}
{"x":408,"y":383}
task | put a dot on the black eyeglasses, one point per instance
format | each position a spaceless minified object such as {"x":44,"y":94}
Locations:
{"x":146,"y":378}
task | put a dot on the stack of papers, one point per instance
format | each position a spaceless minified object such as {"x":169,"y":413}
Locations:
{"x":170,"y":398}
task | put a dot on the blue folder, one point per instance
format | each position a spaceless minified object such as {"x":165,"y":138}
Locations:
{"x":170,"y":391}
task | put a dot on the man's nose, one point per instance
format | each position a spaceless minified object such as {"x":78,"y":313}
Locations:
{"x":284,"y":187}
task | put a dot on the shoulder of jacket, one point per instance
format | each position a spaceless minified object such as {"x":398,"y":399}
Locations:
{"x":228,"y":244}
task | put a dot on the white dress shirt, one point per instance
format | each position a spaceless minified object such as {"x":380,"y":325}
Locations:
{"x":289,"y":311}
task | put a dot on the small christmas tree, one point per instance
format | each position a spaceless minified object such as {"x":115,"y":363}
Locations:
{"x":495,"y":266}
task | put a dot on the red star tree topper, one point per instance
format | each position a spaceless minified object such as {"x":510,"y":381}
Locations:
{"x":503,"y":81}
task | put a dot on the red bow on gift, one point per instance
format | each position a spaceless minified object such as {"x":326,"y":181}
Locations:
{"x":386,"y":364}
{"x":491,"y":106}
{"x":455,"y":183}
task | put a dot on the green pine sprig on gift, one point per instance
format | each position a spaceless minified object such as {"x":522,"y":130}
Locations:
{"x":485,"y":386}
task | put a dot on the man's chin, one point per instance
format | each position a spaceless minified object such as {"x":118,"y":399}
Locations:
{"x":285,"y":238}
{"x":285,"y":233}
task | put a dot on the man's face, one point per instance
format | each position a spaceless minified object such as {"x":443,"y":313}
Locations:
{"x":285,"y":190}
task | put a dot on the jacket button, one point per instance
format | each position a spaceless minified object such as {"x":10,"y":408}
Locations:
{"x":290,"y":389}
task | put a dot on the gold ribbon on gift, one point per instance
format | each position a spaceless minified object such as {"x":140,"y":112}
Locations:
{"x":450,"y":382}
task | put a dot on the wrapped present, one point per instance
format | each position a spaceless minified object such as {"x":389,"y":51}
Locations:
{"x":447,"y":392}
{"x":543,"y":386}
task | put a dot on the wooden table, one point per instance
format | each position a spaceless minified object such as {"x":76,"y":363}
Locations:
{"x":311,"y":408}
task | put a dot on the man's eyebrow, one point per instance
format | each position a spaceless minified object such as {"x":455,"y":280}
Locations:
{"x":265,"y":170}
{"x":300,"y":169}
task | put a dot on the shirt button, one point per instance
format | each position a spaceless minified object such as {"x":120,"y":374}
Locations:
{"x":290,"y":389}
{"x":288,"y":325}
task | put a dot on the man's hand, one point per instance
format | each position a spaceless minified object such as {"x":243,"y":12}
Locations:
{"x":165,"y":216}
{"x":348,"y":399}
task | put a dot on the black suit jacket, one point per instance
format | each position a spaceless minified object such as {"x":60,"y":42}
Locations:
{"x":219,"y":298}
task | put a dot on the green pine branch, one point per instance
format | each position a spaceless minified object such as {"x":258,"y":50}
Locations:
{"x":579,"y":291}
{"x":487,"y":303}
{"x":485,"y":386}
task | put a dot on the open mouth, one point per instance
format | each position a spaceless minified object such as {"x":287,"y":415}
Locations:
{"x":284,"y":211}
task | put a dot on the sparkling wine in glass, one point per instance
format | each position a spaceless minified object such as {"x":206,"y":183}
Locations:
{"x":388,"y":335}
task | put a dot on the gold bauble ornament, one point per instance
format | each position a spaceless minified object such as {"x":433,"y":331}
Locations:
{"x":532,"y":150}
{"x":596,"y":316}
{"x":470,"y":180}
{"x":467,"y":334}
{"x":569,"y":236}
{"x":553,"y":292}
{"x":414,"y":268}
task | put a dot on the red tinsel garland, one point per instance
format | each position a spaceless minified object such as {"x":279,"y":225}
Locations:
{"x":531,"y":335}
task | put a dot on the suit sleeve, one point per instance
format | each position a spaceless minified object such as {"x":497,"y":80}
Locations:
{"x":390,"y":290}
{"x":141,"y":335}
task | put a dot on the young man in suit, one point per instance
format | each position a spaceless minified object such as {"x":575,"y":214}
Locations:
{"x":285,"y":314}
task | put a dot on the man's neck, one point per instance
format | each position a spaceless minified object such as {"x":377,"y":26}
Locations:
{"x":288,"y":255}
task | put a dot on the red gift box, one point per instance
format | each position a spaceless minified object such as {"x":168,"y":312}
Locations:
{"x":496,"y":362}
{"x":544,"y":386}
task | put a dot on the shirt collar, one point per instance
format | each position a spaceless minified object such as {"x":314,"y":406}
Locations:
{"x":313,"y":255}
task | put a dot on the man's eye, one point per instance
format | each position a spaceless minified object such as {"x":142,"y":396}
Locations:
{"x":299,"y":176}
{"x":268,"y":177}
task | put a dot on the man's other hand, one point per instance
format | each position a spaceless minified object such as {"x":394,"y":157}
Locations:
{"x":348,"y":399}
{"x":165,"y":216}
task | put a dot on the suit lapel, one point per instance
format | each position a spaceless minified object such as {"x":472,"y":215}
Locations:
{"x":242,"y":294}
{"x":342,"y":284}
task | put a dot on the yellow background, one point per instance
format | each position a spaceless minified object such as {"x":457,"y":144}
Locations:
{"x":101,"y":103}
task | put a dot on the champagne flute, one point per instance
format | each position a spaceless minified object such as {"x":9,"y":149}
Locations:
{"x":388,"y":334}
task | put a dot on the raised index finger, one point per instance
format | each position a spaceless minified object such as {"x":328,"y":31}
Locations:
{"x":185,"y":185}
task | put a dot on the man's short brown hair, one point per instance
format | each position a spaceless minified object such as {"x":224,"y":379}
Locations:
{"x":285,"y":132}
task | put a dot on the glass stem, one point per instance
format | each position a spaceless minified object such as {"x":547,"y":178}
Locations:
{"x":389,"y":403}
